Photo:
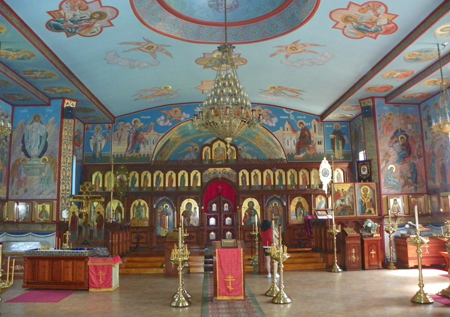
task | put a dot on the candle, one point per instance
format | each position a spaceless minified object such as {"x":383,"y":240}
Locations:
{"x":14,"y":265}
{"x":279,"y":234}
{"x":7,"y":270}
{"x":175,"y":215}
{"x":256,"y":220}
{"x":167,"y":223}
{"x":332,"y":217}
{"x":179,"y":238}
{"x":416,"y":212}
{"x":273,"y":232}
{"x":389,"y":212}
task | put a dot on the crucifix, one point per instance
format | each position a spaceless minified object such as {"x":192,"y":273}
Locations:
{"x":66,"y":244}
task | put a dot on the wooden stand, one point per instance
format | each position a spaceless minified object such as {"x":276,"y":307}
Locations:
{"x":352,"y":250}
{"x":373,"y":258}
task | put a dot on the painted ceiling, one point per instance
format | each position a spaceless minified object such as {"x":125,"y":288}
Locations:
{"x":320,"y":57}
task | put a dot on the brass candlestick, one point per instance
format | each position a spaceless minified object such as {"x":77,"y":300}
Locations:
{"x":255,"y":260}
{"x":390,"y":230}
{"x":420,"y":297}
{"x":9,"y":281}
{"x":279,"y":254}
{"x":179,"y":256}
{"x":334,"y":231}
{"x":446,"y":237}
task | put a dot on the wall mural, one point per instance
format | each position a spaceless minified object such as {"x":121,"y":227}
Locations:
{"x":402,"y":167}
{"x":166,"y":134}
{"x":370,"y":19}
{"x":78,"y":141}
{"x":35,"y":152}
{"x":338,"y":141}
{"x":5,"y":114}
{"x":357,"y":140}
{"x":436,"y":145}
{"x":81,"y":18}
{"x":98,"y":146}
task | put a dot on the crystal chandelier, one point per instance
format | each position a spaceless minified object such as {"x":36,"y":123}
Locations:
{"x":443,"y":123}
{"x":227,"y":111}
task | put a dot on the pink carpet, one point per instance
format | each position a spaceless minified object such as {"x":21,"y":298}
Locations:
{"x":41,"y":297}
{"x":441,"y":299}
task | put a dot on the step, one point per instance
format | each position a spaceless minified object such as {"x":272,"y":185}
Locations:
{"x":305,"y":266}
{"x":142,"y":271}
{"x":145,"y":259}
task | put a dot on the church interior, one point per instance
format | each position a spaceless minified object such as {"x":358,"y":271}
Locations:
{"x":153,"y":139}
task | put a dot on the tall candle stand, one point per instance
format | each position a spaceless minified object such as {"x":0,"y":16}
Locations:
{"x":255,"y":260}
{"x":279,"y":254}
{"x":334,"y":232}
{"x":420,"y":297}
{"x":9,"y":281}
{"x":390,"y":229}
{"x":274,"y":289}
{"x":446,"y":237}
{"x":179,"y":256}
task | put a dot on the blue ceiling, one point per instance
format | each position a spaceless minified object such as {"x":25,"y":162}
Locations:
{"x":320,"y":57}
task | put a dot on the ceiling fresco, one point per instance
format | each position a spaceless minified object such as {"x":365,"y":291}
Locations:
{"x":118,"y":57}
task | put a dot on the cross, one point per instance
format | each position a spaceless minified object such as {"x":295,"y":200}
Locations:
{"x":100,"y":274}
{"x":67,"y":236}
{"x":230,"y":279}
{"x":373,"y":253}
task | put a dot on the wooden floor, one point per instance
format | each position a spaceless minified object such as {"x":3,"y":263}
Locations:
{"x":152,"y":262}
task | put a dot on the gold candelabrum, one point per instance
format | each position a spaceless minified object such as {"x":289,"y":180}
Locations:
{"x":179,"y":256}
{"x":420,"y":297}
{"x":334,"y":232}
{"x":390,"y":229}
{"x":446,"y":237}
{"x":274,"y":289}
{"x":279,"y":254}
{"x":255,"y":260}
{"x":9,"y":281}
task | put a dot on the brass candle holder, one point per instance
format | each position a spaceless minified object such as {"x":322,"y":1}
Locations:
{"x":279,"y":254}
{"x":179,"y":256}
{"x":420,"y":297}
{"x":390,"y":229}
{"x":255,"y":260}
{"x":446,"y":237}
{"x":334,"y":232}
{"x":9,"y":281}
{"x":66,"y":245}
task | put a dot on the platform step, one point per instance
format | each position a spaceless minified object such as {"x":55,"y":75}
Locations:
{"x":142,"y":271}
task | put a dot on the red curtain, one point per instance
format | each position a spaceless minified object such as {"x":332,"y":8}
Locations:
{"x":219,"y":188}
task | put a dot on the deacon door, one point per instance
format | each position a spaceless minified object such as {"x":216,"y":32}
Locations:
{"x":220,"y":216}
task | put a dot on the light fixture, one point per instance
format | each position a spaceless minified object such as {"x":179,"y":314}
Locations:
{"x":443,"y":116}
{"x":227,"y":111}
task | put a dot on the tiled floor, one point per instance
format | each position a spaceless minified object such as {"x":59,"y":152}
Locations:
{"x":313,"y":293}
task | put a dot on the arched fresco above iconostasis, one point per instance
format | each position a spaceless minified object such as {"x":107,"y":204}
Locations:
{"x":143,"y":137}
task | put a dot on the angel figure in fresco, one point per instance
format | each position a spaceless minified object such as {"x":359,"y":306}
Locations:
{"x":155,"y":93}
{"x":136,"y":138}
{"x":193,"y":151}
{"x":282,"y":92}
{"x":147,"y":47}
{"x":400,"y":143}
{"x":294,"y":48}
{"x":174,"y":114}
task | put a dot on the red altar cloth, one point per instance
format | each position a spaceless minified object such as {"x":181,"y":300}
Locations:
{"x":104,"y":273}
{"x":230,"y":274}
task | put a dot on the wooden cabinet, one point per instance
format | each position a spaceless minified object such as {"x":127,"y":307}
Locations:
{"x":407,"y":253}
{"x":373,"y":257}
{"x":352,"y":249}
{"x":56,"y":272}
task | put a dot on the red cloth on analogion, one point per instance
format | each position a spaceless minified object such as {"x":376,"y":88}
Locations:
{"x":101,"y":272}
{"x":230,"y":274}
